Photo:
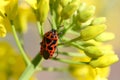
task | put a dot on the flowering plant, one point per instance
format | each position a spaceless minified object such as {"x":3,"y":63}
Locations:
{"x":67,"y":17}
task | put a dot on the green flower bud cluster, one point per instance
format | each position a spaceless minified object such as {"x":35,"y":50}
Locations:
{"x":100,"y":57}
{"x":63,"y":9}
{"x":94,"y":29}
{"x":79,"y":18}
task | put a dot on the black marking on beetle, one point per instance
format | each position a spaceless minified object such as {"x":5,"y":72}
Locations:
{"x":48,"y":40}
{"x":52,"y":36}
{"x":49,"y":47}
{"x":53,"y":30}
{"x":46,"y":54}
{"x":48,"y":34}
{"x":44,"y":46}
{"x":53,"y":42}
{"x":54,"y":46}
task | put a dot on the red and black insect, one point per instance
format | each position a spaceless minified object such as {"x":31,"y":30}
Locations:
{"x":49,"y":44}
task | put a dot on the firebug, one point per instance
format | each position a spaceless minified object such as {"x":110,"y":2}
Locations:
{"x":49,"y":44}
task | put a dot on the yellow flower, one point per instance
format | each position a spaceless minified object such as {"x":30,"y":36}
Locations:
{"x":8,"y":8}
{"x":99,"y":78}
{"x":3,"y":3}
{"x":82,"y":72}
{"x":105,"y":60}
{"x":43,"y":9}
{"x":11,"y":8}
{"x":87,"y":72}
{"x":25,"y":15}
{"x":8,"y":11}
{"x":100,"y":73}
{"x":10,"y":61}
{"x":5,"y":22}
{"x":2,"y":31}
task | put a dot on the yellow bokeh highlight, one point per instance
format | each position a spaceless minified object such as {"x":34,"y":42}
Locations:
{"x":11,"y":63}
{"x":24,"y":16}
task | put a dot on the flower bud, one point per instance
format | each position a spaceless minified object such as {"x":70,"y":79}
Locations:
{"x":91,"y":32}
{"x":64,"y":2}
{"x":86,"y":14}
{"x":43,"y":9}
{"x":105,"y":60}
{"x":99,"y":20}
{"x":58,"y":13}
{"x":106,"y":36}
{"x":93,"y":52}
{"x":23,"y":16}
{"x":82,"y":7}
{"x":2,"y":31}
{"x":69,"y":9}
{"x":59,"y":10}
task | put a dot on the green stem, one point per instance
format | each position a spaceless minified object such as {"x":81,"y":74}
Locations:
{"x":77,"y":46}
{"x":72,"y":54}
{"x":53,"y":17}
{"x":69,"y":61}
{"x":27,"y":73}
{"x":30,"y":69}
{"x":73,"y":32}
{"x":69,"y":27}
{"x":68,"y":42}
{"x":25,"y":57}
{"x":40,"y":29}
{"x":66,"y":29}
{"x":50,"y":69}
{"x":21,"y":38}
